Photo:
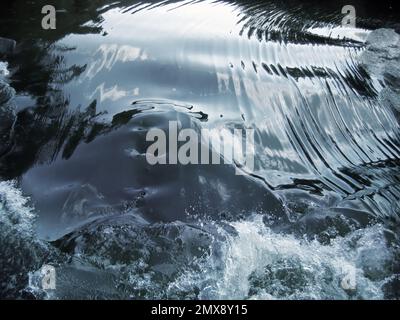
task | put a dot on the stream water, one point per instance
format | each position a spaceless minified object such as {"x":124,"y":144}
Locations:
{"x":76,"y":191}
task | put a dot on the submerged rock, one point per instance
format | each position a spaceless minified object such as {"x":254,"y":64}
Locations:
{"x":382,"y":61}
{"x":110,"y":175}
{"x":7,"y":46}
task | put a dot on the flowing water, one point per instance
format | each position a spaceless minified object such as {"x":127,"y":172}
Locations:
{"x":77,"y":192}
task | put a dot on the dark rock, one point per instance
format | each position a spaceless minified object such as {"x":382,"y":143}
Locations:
{"x":6,"y":93}
{"x":7,"y":46}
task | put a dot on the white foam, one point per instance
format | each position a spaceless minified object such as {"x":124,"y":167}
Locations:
{"x":260,"y":264}
{"x":250,"y":261}
{"x":14,"y":209}
{"x":4,"y":69}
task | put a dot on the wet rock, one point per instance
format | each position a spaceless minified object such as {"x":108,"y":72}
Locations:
{"x":141,"y":260}
{"x":7,"y":46}
{"x":7,"y":115}
{"x":6,"y":93}
{"x":17,"y":235}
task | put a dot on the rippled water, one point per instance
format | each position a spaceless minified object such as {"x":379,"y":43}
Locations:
{"x":322,"y":200}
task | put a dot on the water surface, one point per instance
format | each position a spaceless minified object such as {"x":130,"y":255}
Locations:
{"x":321,"y":201}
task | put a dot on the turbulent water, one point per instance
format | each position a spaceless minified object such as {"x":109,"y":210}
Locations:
{"x":77,"y":193}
